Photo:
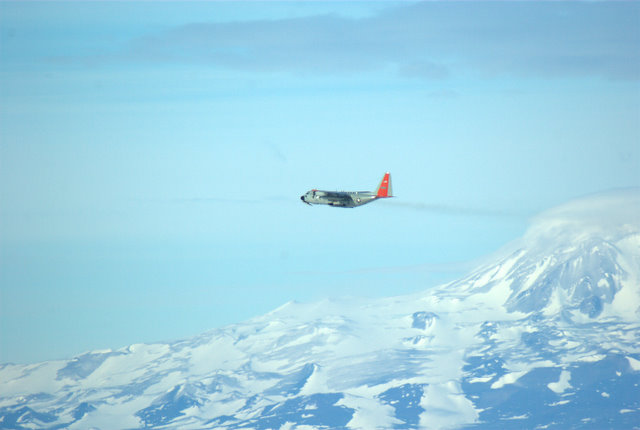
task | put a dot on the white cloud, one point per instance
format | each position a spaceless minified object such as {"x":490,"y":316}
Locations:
{"x":601,"y":213}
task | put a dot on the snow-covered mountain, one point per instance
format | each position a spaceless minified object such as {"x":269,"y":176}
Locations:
{"x":545,"y":336}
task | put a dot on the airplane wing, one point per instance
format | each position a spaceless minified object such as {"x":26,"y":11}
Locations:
{"x":336,"y":195}
{"x":338,"y":198}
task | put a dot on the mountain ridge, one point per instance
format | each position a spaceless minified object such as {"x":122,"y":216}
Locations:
{"x":545,"y":336}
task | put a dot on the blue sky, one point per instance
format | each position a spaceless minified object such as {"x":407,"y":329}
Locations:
{"x":152,"y":155}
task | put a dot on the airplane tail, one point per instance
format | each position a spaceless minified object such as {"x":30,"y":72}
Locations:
{"x":384,"y":190}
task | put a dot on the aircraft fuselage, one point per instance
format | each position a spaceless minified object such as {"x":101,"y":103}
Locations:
{"x":348,"y":199}
{"x":345,"y":199}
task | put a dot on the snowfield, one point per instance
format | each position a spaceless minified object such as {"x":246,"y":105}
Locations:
{"x":546,"y":336}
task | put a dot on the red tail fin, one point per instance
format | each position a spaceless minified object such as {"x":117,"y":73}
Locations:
{"x":384,"y":190}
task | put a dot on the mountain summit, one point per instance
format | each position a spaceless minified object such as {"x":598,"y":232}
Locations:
{"x":577,"y":257}
{"x":545,"y":336}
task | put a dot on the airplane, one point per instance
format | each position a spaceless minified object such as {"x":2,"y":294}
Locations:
{"x":348,"y":199}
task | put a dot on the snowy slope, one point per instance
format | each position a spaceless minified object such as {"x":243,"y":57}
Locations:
{"x":547,"y":336}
